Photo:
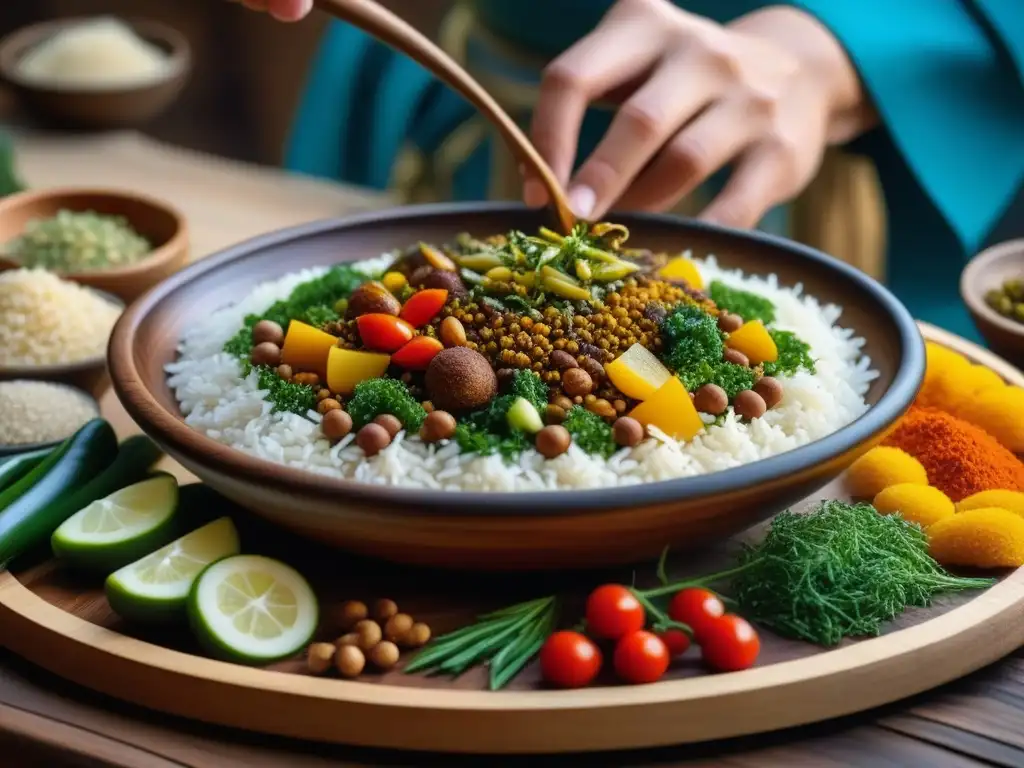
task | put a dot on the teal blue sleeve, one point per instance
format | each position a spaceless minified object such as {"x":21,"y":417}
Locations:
{"x":945,"y":76}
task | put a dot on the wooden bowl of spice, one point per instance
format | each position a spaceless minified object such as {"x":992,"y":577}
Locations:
{"x":95,"y":73}
{"x":121,"y":243}
{"x":992,"y":286}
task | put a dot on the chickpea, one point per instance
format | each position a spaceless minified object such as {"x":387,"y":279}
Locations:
{"x":736,"y":357}
{"x":627,"y":431}
{"x":554,"y":415}
{"x":373,"y":438}
{"x":384,"y":655}
{"x":749,"y":405}
{"x":267,"y":353}
{"x":285,"y":371}
{"x":349,"y":638}
{"x":728,"y":322}
{"x":384,"y":609}
{"x":397,"y":626}
{"x":267,"y":330}
{"x":350,"y":661}
{"x":390,"y":423}
{"x":418,"y":635}
{"x":369,"y":634}
{"x":553,"y":440}
{"x":439,"y":425}
{"x":335,"y":425}
{"x":712,"y":399}
{"x":307,"y":378}
{"x":562,"y":402}
{"x":352,"y":612}
{"x":319,"y":657}
{"x":327,"y":405}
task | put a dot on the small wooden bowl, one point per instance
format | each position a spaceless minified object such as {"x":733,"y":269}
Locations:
{"x":987,"y":271}
{"x":157,"y":221}
{"x":97,"y":108}
{"x":90,"y":374}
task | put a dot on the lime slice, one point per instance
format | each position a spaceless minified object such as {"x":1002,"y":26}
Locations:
{"x":155,"y":588}
{"x":120,"y":528}
{"x":252,"y":609}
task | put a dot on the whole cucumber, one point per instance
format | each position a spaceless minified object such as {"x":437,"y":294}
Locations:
{"x":27,"y":518}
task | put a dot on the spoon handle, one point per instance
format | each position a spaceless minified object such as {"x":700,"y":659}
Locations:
{"x":382,"y":24}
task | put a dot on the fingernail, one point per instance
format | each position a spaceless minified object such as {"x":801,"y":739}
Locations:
{"x":305,"y":6}
{"x":534,"y":194}
{"x":582,"y":200}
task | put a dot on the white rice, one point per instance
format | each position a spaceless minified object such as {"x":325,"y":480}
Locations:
{"x":216,"y":401}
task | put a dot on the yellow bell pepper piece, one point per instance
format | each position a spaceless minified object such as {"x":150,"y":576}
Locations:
{"x":637,"y":373}
{"x":306,"y":348}
{"x":670,"y":410}
{"x":348,"y":367}
{"x":682,"y":268}
{"x":754,"y":341}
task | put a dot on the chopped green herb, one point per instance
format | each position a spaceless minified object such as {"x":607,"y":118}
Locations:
{"x":318,"y":315}
{"x":475,"y":439}
{"x":285,"y":395}
{"x":590,"y":432}
{"x":529,"y":386}
{"x":729,"y":376}
{"x":314,"y":296}
{"x":691,"y":337}
{"x":375,"y":397}
{"x":794,"y":354}
{"x":747,"y":305}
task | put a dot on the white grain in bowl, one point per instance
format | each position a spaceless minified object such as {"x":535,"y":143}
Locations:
{"x":39,"y":412}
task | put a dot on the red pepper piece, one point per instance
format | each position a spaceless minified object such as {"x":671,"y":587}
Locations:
{"x":423,"y":306}
{"x":417,"y":354}
{"x":383,"y":333}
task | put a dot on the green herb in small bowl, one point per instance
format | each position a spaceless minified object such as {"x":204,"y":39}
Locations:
{"x":78,"y":241}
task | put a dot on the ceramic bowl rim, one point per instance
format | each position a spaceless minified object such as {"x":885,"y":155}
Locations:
{"x":52,"y":371}
{"x":155,"y":259}
{"x":18,"y":42}
{"x":971,"y":293}
{"x":169,"y":428}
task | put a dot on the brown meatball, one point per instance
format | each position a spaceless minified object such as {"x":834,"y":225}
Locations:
{"x":460,"y":379}
{"x":712,"y":399}
{"x":749,"y":405}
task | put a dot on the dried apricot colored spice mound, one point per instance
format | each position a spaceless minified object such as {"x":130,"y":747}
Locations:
{"x":1011,"y":500}
{"x":960,"y":458}
{"x":1000,"y":412}
{"x":921,"y":504}
{"x":979,"y":538}
{"x":882,"y":467}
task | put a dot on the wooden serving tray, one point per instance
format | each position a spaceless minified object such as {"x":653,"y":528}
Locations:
{"x":64,"y":624}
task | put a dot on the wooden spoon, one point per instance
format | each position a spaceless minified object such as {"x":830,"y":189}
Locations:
{"x":390,"y":29}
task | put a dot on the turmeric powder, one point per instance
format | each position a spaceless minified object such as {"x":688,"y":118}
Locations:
{"x":1011,"y":500}
{"x":979,"y":538}
{"x":960,"y":459}
{"x":921,"y":504}
{"x":1000,"y":412}
{"x":881,"y":467}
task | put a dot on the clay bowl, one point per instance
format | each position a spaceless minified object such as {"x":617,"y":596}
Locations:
{"x":506,"y":531}
{"x":988,"y":271}
{"x":100,"y":107}
{"x":89,"y":374}
{"x":157,"y":221}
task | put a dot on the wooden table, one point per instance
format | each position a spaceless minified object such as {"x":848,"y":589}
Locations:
{"x":47,"y":722}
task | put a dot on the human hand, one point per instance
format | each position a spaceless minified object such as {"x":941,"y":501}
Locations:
{"x":282,"y":10}
{"x":768,"y":91}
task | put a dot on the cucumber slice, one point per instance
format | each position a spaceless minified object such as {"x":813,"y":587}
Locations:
{"x":155,"y":589}
{"x":252,"y":609}
{"x":120,"y":528}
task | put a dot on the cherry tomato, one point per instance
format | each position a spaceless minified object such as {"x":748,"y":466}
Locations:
{"x":417,"y":354}
{"x":423,"y":306}
{"x":729,"y":644}
{"x":675,"y":640}
{"x":695,"y":608}
{"x":383,"y":333}
{"x":613,"y":611}
{"x":640,"y":657}
{"x":569,"y":659}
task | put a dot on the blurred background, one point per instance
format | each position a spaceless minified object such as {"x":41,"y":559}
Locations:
{"x":248,"y":71}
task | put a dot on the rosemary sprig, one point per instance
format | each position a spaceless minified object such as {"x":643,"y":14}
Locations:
{"x":505,"y":640}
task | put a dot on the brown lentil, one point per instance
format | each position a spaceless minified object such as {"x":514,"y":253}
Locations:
{"x":627,"y":431}
{"x":390,"y":423}
{"x":619,"y":405}
{"x":554,"y":415}
{"x":373,"y":438}
{"x":335,"y":425}
{"x":439,"y":425}
{"x":749,"y":405}
{"x":736,"y":357}
{"x":323,"y":394}
{"x":576,"y":382}
{"x":562,"y":402}
{"x":267,"y":353}
{"x":712,"y":399}
{"x":553,"y":440}
{"x":770,"y":390}
{"x":349,"y":661}
{"x":326,"y":406}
